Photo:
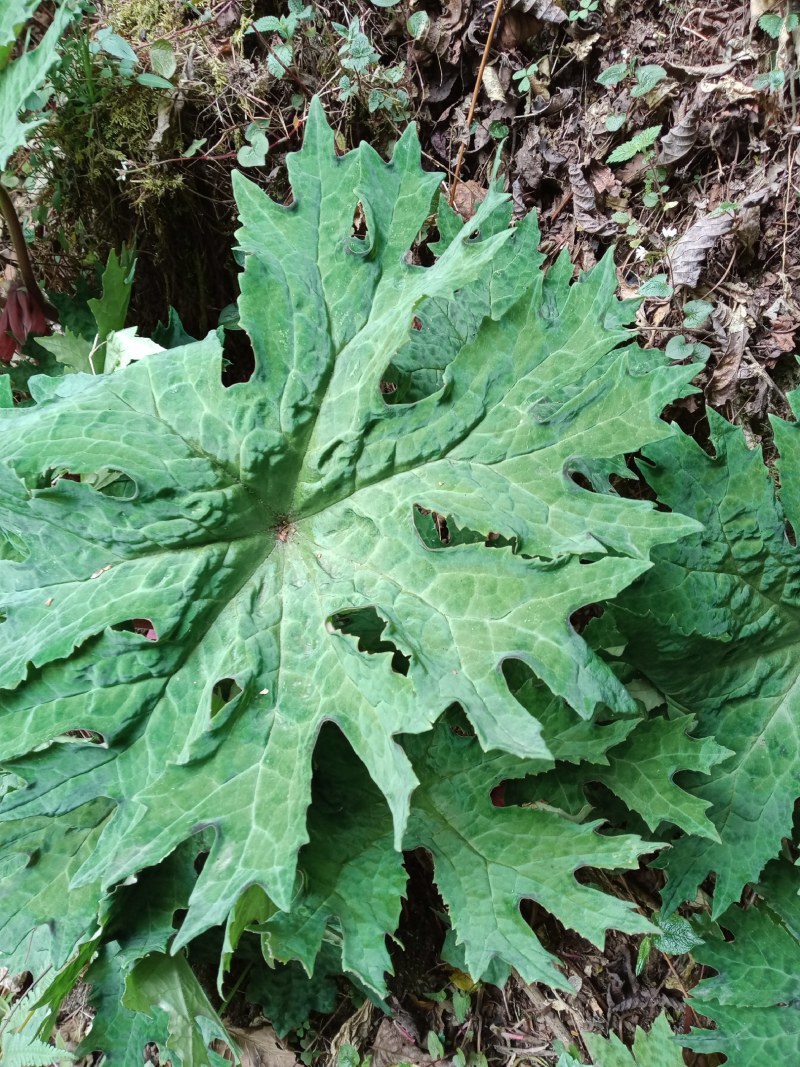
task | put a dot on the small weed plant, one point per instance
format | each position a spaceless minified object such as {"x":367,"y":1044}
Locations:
{"x":260,"y":641}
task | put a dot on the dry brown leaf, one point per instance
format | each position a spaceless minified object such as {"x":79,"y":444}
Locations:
{"x":391,"y":1046}
{"x":585,"y":204}
{"x":259,"y":1047}
{"x":679,"y":141}
{"x":551,"y":105}
{"x":515,"y":29}
{"x":582,"y":48}
{"x":688,"y":254}
{"x":528,"y":160}
{"x":693,"y":70}
{"x":466,"y":198}
{"x":353,"y":1031}
{"x":492,"y":85}
{"x":731,"y":88}
{"x":748,"y":232}
{"x":442,"y":36}
{"x":546,"y":10}
{"x":603,"y":179}
{"x":723,"y":385}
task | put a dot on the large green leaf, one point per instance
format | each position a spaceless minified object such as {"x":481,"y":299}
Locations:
{"x":486,"y":860}
{"x":636,"y":759}
{"x":13,"y":16}
{"x":755,"y":996}
{"x":716,"y":625}
{"x":250,"y":521}
{"x":158,"y":999}
{"x":654,"y":1048}
{"x":24,"y":75}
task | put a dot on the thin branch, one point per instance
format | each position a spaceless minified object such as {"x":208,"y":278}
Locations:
{"x":476,"y":92}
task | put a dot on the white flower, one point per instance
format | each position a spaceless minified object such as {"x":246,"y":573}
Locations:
{"x":669,"y":231}
{"x":640,"y":253}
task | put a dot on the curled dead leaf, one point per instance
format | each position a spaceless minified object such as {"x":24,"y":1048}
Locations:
{"x":546,"y":10}
{"x":467,"y":197}
{"x":493,"y":86}
{"x":392,"y":1046}
{"x":679,"y":141}
{"x":259,"y":1047}
{"x":688,"y":255}
{"x":587,"y":216}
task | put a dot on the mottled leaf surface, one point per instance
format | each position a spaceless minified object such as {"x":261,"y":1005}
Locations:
{"x":754,"y":998}
{"x":178,"y":558}
{"x":656,"y":1047}
{"x":716,"y":626}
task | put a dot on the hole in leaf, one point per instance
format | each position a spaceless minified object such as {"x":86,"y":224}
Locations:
{"x":13,"y":548}
{"x":112,"y":483}
{"x":238,"y":358}
{"x":143,"y":627}
{"x":151,"y":1053}
{"x":417,"y":371}
{"x":581,"y":618}
{"x":226,"y":690}
{"x":90,"y":737}
{"x":439,"y":531}
{"x":53,"y":475}
{"x":107,"y":480}
{"x":360,"y":243}
{"x":431,"y":527}
{"x":367,"y":625}
{"x":580,"y":479}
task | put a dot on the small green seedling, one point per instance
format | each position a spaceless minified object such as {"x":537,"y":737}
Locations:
{"x":524,"y":77}
{"x":584,"y":10}
{"x":281,"y":54}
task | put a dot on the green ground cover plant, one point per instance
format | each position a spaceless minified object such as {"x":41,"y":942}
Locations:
{"x":259,"y":641}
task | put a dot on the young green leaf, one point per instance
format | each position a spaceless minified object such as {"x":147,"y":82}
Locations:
{"x":658,"y":286}
{"x":162,"y":58}
{"x":771,"y":22}
{"x":614,"y":74}
{"x":640,"y":142}
{"x":647,"y":78}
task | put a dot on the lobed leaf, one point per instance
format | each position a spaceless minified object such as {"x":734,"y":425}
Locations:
{"x":753,"y":1000}
{"x":22,"y":77}
{"x":183,"y":564}
{"x":715,"y":626}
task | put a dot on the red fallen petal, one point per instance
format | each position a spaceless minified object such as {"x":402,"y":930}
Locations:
{"x":15,"y":310}
{"x":8,"y":344}
{"x":8,"y":347}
